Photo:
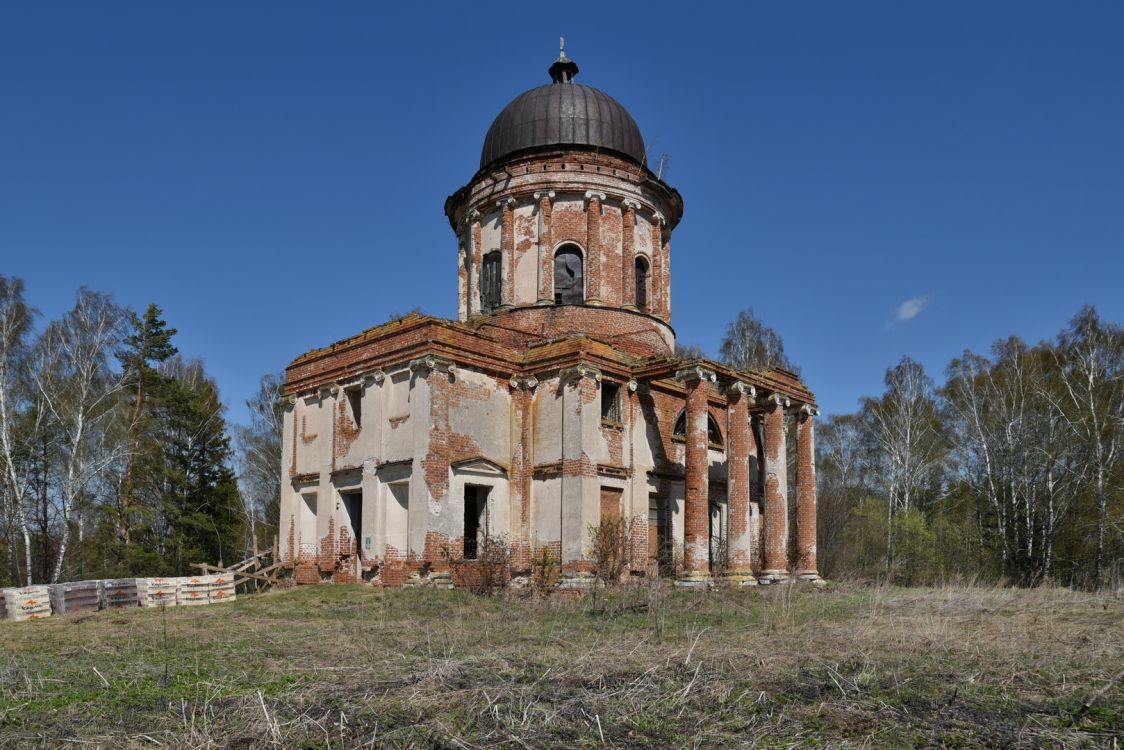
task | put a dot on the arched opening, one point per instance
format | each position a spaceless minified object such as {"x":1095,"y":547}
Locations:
{"x":491,"y":282}
{"x":713,"y":433}
{"x":642,"y":275}
{"x":569,"y":286}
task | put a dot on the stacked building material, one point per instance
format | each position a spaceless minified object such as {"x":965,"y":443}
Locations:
{"x":222,"y":588}
{"x":76,"y":596}
{"x":121,"y":593}
{"x":194,"y":590}
{"x":27,"y":603}
{"x":157,"y":592}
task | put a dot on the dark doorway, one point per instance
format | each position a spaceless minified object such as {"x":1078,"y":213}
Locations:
{"x":353,"y":504}
{"x":660,"y":547}
{"x":475,"y":518}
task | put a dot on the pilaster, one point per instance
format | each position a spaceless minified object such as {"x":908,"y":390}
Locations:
{"x":546,"y":248}
{"x":593,"y":247}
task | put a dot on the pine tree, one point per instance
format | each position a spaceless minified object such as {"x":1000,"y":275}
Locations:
{"x":150,"y":343}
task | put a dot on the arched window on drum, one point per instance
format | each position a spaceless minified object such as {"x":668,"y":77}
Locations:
{"x":643,"y":274}
{"x":569,"y":285}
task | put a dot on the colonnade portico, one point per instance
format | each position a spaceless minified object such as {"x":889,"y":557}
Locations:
{"x":771,"y":475}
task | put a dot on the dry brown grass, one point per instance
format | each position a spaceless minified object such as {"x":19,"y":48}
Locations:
{"x":337,"y":666}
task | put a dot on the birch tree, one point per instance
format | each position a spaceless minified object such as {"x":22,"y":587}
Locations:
{"x":15,"y":395}
{"x":1090,"y":366}
{"x":80,"y":392}
{"x":902,"y":428}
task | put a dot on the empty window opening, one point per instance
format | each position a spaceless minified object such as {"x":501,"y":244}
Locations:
{"x":475,"y":518}
{"x":355,"y":401}
{"x":397,"y":519}
{"x":569,"y":286}
{"x":491,"y":283}
{"x":713,"y":433}
{"x":306,"y":523}
{"x":642,"y":284}
{"x":610,"y":401}
{"x":353,"y":504}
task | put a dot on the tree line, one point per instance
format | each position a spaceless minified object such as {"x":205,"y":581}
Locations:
{"x":1009,"y":470}
{"x":114,"y":449}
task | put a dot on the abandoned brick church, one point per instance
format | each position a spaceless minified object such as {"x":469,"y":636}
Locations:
{"x":555,"y":400}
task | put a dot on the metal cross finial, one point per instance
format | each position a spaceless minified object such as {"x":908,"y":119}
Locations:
{"x":562,"y":46}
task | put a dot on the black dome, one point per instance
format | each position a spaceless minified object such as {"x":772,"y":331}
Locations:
{"x":563,"y":113}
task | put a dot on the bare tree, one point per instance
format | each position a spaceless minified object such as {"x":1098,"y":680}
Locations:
{"x":80,"y":392}
{"x":751,"y":345}
{"x":1090,"y":364}
{"x":259,"y":452}
{"x":903,"y":427}
{"x":15,"y":394}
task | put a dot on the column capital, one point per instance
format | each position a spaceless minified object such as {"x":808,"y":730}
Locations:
{"x":523,"y":382}
{"x":807,"y":411}
{"x":540,"y":194}
{"x":660,"y":218}
{"x":375,"y":377}
{"x":579,"y":371}
{"x":506,"y":202}
{"x":331,"y":389}
{"x":471,"y":216}
{"x":286,"y":402}
{"x":433,"y":362}
{"x":629,"y":203}
{"x":739,"y":388}
{"x":633,"y":385}
{"x":776,"y":399}
{"x":594,"y":195}
{"x":697,"y":372}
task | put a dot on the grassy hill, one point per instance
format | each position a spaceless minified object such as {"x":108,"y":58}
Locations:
{"x":348,"y":666}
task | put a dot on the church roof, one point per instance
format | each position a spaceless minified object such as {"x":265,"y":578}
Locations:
{"x":563,"y":113}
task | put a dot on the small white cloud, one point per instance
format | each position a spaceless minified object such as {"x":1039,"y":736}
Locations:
{"x":909,"y":309}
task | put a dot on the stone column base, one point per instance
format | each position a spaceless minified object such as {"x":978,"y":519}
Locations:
{"x":769,"y":577}
{"x":694,"y":580}
{"x":581,"y":581}
{"x":739,"y":579}
{"x":810,"y":576}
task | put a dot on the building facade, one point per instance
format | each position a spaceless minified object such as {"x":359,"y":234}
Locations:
{"x":555,"y":400}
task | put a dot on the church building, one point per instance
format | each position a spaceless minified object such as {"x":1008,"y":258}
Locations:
{"x":556,"y":399}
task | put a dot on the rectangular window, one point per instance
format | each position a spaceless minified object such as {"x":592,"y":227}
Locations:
{"x":610,"y":401}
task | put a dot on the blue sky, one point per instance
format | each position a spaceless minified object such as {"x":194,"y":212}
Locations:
{"x":874,"y":179}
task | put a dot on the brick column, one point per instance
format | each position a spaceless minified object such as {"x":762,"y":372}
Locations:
{"x":593,"y":247}
{"x":546,"y":249}
{"x":775,"y":567}
{"x":507,"y":250}
{"x":739,"y":547}
{"x":806,"y":495}
{"x":628,"y":254}
{"x":696,"y":511}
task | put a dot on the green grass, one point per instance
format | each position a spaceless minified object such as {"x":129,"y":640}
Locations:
{"x":349,"y":666}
